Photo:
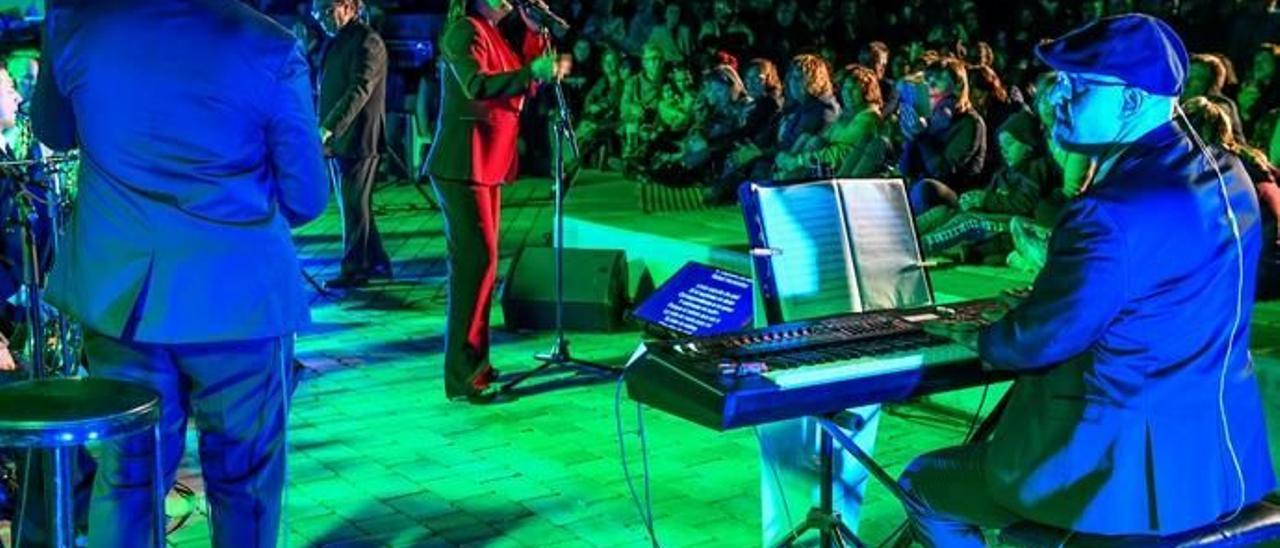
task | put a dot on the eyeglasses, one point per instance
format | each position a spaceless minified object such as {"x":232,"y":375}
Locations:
{"x":1070,"y":86}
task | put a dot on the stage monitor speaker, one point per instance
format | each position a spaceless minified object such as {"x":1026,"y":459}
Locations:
{"x":595,"y":287}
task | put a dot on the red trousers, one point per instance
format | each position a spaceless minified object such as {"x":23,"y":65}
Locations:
{"x":471,"y":218}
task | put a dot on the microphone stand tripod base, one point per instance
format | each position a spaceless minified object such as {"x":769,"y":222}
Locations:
{"x":559,"y":357}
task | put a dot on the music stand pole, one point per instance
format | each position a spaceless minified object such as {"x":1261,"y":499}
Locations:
{"x":559,"y":355}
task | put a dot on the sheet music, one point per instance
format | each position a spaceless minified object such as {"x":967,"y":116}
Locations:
{"x":814,"y":271}
{"x":886,"y":253}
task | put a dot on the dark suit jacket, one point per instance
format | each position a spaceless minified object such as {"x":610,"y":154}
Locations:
{"x":484,"y":83}
{"x":1115,"y":428}
{"x":199,"y":150}
{"x":353,"y":91}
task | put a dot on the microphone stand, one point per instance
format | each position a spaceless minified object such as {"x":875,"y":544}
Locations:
{"x":559,"y":356}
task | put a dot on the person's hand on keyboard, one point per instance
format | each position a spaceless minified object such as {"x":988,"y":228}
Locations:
{"x":961,"y":332}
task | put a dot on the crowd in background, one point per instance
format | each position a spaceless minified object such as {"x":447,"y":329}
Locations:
{"x":943,"y":93}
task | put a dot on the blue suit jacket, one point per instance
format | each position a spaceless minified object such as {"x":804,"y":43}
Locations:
{"x":1115,"y":426}
{"x":200,"y":148}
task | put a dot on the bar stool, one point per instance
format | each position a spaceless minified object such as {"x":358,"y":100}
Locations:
{"x":60,"y":415}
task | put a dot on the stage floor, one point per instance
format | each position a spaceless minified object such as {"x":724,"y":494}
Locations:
{"x":379,"y":458}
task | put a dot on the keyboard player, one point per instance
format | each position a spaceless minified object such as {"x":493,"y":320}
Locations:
{"x":1136,"y":410}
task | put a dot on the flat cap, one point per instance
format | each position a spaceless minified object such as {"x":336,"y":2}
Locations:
{"x":1140,"y":50}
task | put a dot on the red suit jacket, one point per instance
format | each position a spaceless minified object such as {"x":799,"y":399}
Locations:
{"x":484,"y":83}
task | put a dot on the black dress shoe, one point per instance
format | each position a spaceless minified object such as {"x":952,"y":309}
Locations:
{"x":347,"y":281}
{"x":380,"y":273}
{"x":489,"y":396}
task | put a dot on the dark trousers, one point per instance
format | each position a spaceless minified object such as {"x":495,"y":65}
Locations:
{"x":952,"y":503}
{"x":471,"y":218}
{"x":236,"y":393}
{"x":362,"y":244}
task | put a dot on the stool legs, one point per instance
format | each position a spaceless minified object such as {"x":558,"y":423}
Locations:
{"x":62,"y":522}
{"x":158,"y":485}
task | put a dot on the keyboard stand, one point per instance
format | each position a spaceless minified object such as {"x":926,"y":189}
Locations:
{"x":832,"y":530}
{"x":823,"y":518}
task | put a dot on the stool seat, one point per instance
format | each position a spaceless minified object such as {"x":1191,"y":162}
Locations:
{"x":50,"y":413}
{"x":1256,"y":524}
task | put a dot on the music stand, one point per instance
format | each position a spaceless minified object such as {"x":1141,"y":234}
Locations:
{"x":559,"y":356}
{"x":833,"y":246}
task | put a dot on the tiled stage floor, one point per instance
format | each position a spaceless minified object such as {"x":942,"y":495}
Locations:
{"x":380,"y":458}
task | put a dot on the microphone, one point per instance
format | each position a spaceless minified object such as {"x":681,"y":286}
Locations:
{"x":541,"y":13}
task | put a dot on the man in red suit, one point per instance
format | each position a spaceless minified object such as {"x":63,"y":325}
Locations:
{"x":485,"y":79}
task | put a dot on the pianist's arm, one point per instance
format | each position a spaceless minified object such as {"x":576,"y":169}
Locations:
{"x":1075,"y":297}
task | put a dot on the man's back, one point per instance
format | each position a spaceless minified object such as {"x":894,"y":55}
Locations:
{"x":199,"y":149}
{"x":353,"y":91}
{"x":1139,"y":298}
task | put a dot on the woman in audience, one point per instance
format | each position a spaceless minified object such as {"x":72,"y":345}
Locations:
{"x":1206,"y":77}
{"x":992,"y":101}
{"x":856,"y":144}
{"x":1213,"y":124}
{"x":598,"y":129}
{"x":944,"y":153}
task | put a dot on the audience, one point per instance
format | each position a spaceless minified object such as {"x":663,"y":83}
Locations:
{"x":924,"y":113}
{"x":855,"y":145}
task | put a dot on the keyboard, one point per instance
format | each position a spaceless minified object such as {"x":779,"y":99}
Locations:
{"x":805,"y":368}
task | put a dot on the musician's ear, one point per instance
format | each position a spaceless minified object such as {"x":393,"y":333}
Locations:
{"x":1131,"y":102}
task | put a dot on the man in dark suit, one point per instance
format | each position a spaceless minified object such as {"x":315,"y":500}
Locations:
{"x":353,"y":107}
{"x":199,"y":152}
{"x":1137,"y":410}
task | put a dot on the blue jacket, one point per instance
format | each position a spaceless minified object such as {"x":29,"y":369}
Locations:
{"x":199,"y":149}
{"x":1115,"y":425}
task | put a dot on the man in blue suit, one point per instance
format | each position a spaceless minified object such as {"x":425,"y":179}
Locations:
{"x":198,"y":153}
{"x":1136,"y":410}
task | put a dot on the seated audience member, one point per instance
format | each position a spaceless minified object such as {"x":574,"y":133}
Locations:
{"x":876,"y":57}
{"x":640,"y":25}
{"x":1259,"y":93}
{"x":673,"y":38}
{"x":1027,"y":173}
{"x":663,"y":163}
{"x":722,"y":106}
{"x":598,"y":130}
{"x":810,"y":109}
{"x":639,"y":108}
{"x":1206,"y":78}
{"x":604,"y":26}
{"x":675,"y":107}
{"x":856,"y":144}
{"x":994,"y":103}
{"x":764,"y":90}
{"x":944,"y":153}
{"x":724,"y":31}
{"x":1212,"y":123}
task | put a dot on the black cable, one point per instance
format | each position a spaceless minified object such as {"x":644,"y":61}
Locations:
{"x":644,"y":463}
{"x":646,"y":516}
{"x":977,"y":413}
{"x":187,"y":493}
